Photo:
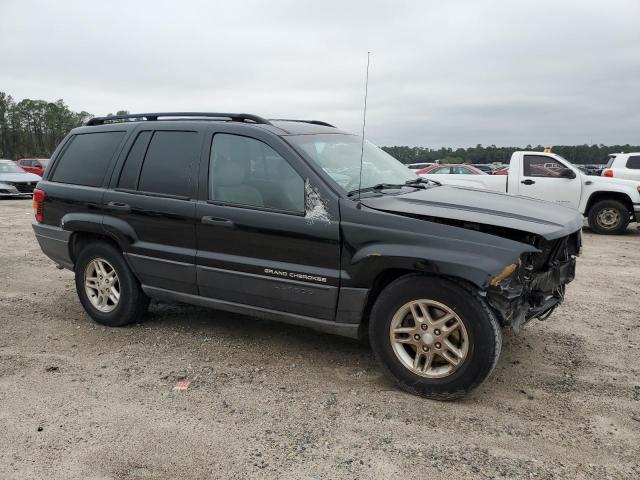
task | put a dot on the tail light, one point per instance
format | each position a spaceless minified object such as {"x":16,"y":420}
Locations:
{"x":38,"y":204}
{"x":608,"y":173}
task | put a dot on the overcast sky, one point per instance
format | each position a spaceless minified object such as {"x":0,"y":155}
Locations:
{"x":453,"y":73}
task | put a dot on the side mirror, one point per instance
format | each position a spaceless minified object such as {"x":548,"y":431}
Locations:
{"x":567,"y":173}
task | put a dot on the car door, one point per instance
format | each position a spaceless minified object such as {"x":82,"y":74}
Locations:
{"x":541,"y":178}
{"x":150,"y":205}
{"x":268,"y":230}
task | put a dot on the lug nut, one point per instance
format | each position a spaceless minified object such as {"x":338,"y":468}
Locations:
{"x":425,"y":348}
{"x":416,"y":336}
{"x":436,"y":332}
{"x":438,"y":345}
{"x":424,"y":326}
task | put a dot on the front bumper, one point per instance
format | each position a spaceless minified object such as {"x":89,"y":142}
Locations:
{"x":537,"y":286}
{"x":10,"y":190}
{"x":54,"y":243}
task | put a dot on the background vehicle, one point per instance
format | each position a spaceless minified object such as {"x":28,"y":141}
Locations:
{"x":418,"y":166}
{"x":277,"y":219}
{"x":451,"y":169}
{"x":503,"y":170}
{"x":608,"y":203}
{"x":33,"y":165}
{"x":623,"y":165}
{"x":14,"y":181}
{"x":486,"y":168}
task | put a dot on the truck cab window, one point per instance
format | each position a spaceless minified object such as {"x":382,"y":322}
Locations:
{"x":542,"y":166}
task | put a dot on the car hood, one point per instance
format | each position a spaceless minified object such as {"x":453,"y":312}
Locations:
{"x":480,"y":206}
{"x":19,"y":177}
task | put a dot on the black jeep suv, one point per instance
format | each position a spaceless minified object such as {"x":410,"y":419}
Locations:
{"x":300,"y":222}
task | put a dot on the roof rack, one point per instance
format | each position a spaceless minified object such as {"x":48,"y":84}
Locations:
{"x":234,"y":117}
{"x":314,"y":122}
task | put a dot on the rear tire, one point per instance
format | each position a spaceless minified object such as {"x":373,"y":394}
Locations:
{"x":107,"y":288}
{"x":471,"y":331}
{"x":609,"y":217}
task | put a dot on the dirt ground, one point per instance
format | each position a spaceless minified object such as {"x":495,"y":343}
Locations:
{"x":268,"y":400}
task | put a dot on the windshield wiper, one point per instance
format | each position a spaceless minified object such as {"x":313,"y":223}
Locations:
{"x":375,"y":188}
{"x":417,"y":183}
{"x":419,"y":180}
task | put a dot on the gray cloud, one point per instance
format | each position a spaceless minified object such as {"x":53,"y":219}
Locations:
{"x":443,"y":73}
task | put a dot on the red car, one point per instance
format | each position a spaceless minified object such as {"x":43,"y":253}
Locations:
{"x":455,"y":169}
{"x":33,"y":165}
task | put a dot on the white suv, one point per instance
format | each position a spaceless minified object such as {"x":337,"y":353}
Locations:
{"x":623,"y":165}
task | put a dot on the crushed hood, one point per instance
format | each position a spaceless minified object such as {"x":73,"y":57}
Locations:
{"x":546,"y":219}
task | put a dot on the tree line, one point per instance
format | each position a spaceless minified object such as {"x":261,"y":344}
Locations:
{"x":33,"y":128}
{"x":576,"y":154}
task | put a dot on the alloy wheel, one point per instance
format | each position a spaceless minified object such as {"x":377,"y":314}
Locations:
{"x":429,"y":338}
{"x":102,"y":285}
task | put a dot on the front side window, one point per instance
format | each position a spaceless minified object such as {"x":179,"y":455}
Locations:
{"x":246,"y":171}
{"x":169,"y":164}
{"x":441,"y":170}
{"x":633,"y":162}
{"x":86,"y":159}
{"x":542,"y":166}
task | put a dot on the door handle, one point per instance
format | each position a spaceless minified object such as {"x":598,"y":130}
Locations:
{"x":119,"y":206}
{"x":220,"y":222}
{"x":528,"y":181}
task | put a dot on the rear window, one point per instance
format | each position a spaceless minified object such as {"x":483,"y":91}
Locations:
{"x":169,"y":164}
{"x":86,"y":160}
{"x":634,"y":162}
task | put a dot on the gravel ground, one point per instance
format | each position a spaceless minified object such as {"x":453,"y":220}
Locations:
{"x":268,"y":400}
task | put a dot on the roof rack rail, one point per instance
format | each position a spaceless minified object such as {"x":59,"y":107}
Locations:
{"x":314,"y":122}
{"x":234,"y":117}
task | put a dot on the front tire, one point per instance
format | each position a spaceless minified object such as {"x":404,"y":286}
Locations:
{"x":609,"y":217}
{"x":434,"y":337}
{"x":106,"y":286}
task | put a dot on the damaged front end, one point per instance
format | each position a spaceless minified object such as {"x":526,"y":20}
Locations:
{"x":535,"y":286}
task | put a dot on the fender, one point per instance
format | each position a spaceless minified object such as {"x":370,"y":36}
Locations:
{"x":420,"y":245}
{"x":602,"y":186}
{"x":472,"y":266}
{"x":120,"y":231}
{"x":82,"y":222}
{"x":116,"y":229}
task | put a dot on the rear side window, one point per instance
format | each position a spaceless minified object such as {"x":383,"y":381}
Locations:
{"x":86,"y":160}
{"x":169,"y":163}
{"x":634,"y":162}
{"x":131,"y":169}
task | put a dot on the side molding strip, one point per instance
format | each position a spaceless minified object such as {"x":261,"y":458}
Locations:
{"x":326,"y":326}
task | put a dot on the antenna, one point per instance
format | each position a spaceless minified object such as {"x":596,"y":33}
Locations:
{"x":364,"y":123}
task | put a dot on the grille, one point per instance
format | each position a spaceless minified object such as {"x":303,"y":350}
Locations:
{"x":24,"y":187}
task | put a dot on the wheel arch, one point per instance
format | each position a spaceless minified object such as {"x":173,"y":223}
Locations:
{"x":388,"y":276}
{"x":603,"y":195}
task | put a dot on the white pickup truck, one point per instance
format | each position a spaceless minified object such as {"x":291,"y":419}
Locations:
{"x":608,"y":203}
